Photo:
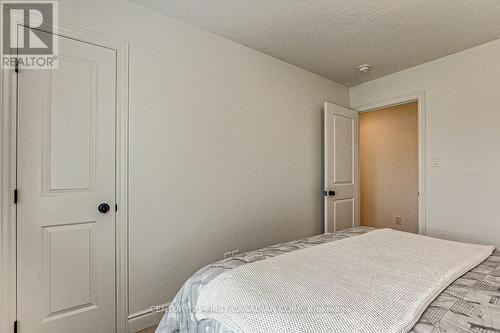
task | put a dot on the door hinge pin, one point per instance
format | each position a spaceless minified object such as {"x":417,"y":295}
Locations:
{"x":15,"y":196}
{"x":116,"y":207}
{"x":15,"y":326}
{"x":16,"y":68}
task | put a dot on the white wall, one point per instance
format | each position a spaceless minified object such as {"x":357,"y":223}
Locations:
{"x":225,"y":145}
{"x":463,"y":131}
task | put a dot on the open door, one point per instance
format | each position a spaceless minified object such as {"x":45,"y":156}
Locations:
{"x":341,"y":192}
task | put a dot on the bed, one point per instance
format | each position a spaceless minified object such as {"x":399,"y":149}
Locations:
{"x":470,"y":302}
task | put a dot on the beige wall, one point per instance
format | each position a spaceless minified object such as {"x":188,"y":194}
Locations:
{"x":463,"y":132}
{"x":225,"y":145}
{"x":388,"y":158}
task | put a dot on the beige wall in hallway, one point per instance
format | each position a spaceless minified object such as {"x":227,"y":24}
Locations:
{"x":389,"y":167}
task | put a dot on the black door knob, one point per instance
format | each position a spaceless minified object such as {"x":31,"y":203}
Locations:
{"x":331,"y":193}
{"x":103,"y":208}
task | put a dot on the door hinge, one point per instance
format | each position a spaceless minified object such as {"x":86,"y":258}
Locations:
{"x":15,"y":196}
{"x":15,"y":326}
{"x":16,"y":68}
{"x":116,"y":207}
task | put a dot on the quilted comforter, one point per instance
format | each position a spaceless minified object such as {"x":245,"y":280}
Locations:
{"x":470,"y":304}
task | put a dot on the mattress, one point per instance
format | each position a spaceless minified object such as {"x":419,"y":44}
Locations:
{"x":470,"y":304}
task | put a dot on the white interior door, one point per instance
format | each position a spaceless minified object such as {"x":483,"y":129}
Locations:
{"x":66,"y":169}
{"x":341,"y":168}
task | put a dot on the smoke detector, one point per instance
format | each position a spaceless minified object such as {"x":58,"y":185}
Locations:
{"x":364,"y":68}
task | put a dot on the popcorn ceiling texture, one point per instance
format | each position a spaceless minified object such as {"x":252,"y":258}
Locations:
{"x":333,"y":37}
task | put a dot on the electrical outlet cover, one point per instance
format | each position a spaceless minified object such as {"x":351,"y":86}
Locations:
{"x":398,"y":220}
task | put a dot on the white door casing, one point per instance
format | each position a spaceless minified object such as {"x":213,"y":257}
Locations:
{"x":65,"y":169}
{"x":341,"y":197}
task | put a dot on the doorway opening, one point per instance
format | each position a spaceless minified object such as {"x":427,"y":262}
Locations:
{"x":389,"y":167}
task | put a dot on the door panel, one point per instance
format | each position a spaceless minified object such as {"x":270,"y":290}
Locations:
{"x":66,"y":168}
{"x":69,"y":255}
{"x":342,"y":147}
{"x":343,"y":213}
{"x":341,"y":168}
{"x":70,"y":125}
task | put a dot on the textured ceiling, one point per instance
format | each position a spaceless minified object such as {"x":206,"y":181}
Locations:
{"x":332,"y":37}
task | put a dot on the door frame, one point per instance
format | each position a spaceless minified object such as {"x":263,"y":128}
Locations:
{"x":418,"y":97}
{"x":8,"y":168}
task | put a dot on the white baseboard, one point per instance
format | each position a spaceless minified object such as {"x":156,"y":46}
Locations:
{"x":145,"y":318}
